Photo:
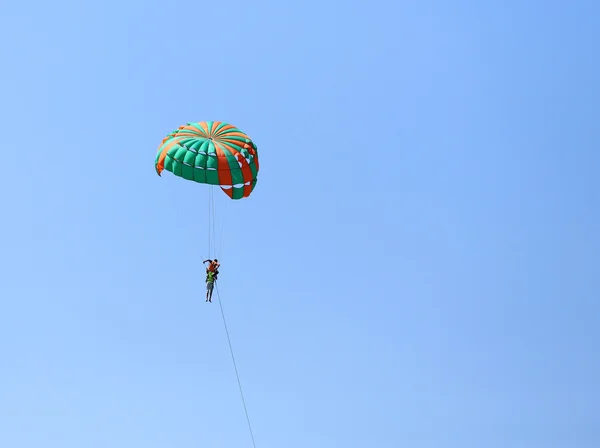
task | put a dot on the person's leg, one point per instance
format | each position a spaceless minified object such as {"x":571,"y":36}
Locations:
{"x":211,"y":286}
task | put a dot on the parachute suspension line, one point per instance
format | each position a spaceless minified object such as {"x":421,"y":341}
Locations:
{"x":213,"y":224}
{"x":235,"y":367}
{"x":212,"y":245}
{"x":222,"y":214}
{"x":209,"y":221}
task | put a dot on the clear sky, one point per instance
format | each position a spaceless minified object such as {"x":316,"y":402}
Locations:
{"x":417,"y":267}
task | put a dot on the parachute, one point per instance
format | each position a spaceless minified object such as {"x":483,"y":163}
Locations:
{"x":211,"y":152}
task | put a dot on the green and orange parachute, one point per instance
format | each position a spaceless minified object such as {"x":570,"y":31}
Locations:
{"x":211,"y":152}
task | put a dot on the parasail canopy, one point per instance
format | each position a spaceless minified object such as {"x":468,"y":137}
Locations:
{"x":211,"y":152}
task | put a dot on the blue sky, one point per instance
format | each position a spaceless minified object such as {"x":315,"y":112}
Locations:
{"x":417,"y":266}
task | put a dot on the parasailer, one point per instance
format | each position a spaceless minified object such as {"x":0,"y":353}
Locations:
{"x":210,"y":284}
{"x":213,"y":266}
{"x":212,"y":271}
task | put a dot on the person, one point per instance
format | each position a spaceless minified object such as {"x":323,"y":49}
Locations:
{"x":213,"y":266}
{"x":210,"y":283}
{"x":212,"y":271}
